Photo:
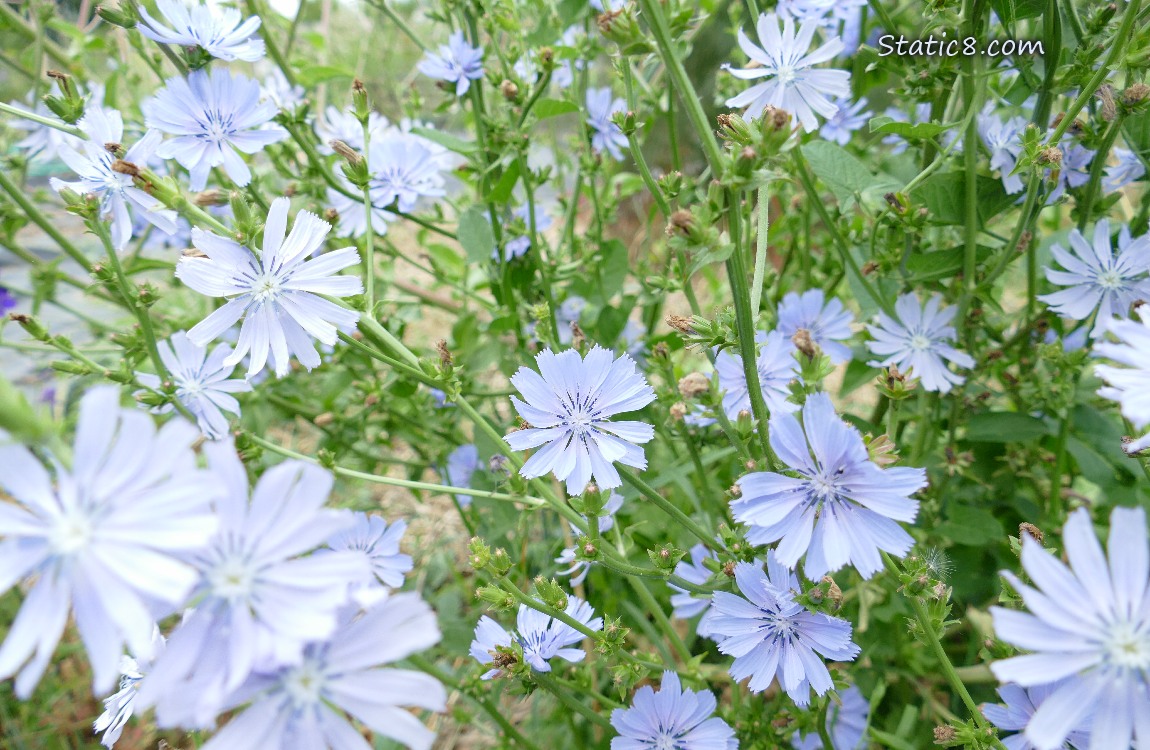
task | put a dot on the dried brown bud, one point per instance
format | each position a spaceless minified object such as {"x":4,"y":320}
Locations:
{"x":340,"y":147}
{"x":680,"y":324}
{"x":735,"y":491}
{"x":1108,"y":110}
{"x":125,"y":167}
{"x":445,"y":358}
{"x":893,"y":200}
{"x":944,"y":734}
{"x":357,"y":86}
{"x":1051,"y":156}
{"x":193,"y":252}
{"x":724,"y":120}
{"x":330,"y":215}
{"x":1032,"y":530}
{"x":57,"y":75}
{"x":661,"y":351}
{"x":729,"y":569}
{"x":682,"y":223}
{"x":211,"y":197}
{"x":693,"y":384}
{"x":509,"y":90}
{"x":323,"y":420}
{"x":803,"y":342}
{"x":19,"y":318}
{"x":546,"y":55}
{"x":113,"y":148}
{"x":1136,"y":93}
{"x":678,"y":410}
{"x":834,"y":593}
{"x":578,"y":338}
{"x":370,"y":400}
{"x":606,"y":20}
{"x":777,"y":118}
{"x":869,"y":267}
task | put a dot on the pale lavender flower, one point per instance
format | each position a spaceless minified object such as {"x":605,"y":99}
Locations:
{"x":342,"y":125}
{"x":378,"y":542}
{"x":309,"y":704}
{"x":569,"y":403}
{"x":1099,"y":281}
{"x":280,"y":92}
{"x":918,"y":342}
{"x":120,"y":706}
{"x":213,"y":117}
{"x":352,"y":221}
{"x":580,"y":568}
{"x":42,"y":142}
{"x":462,"y":463}
{"x":104,"y":540}
{"x":607,"y":136}
{"x":1126,"y":170}
{"x":457,"y":62}
{"x":203,"y":382}
{"x":833,"y":16}
{"x":828,"y":323}
{"x":570,"y":311}
{"x":845,"y":121}
{"x":841,"y":509}
{"x":920,"y":114}
{"x":1073,"y":171}
{"x":1003,"y":139}
{"x":671,"y":719}
{"x":277,"y":294}
{"x":539,"y":635}
{"x":220,"y":31}
{"x":846,"y":723}
{"x":685,"y":604}
{"x":119,"y":197}
{"x":261,"y":598}
{"x":1020,"y":707}
{"x":404,"y":168}
{"x":1129,"y":385}
{"x":7,"y":301}
{"x":518,"y":246}
{"x":1088,"y":624}
{"x":794,"y":84}
{"x":777,"y":368}
{"x":771,"y":636}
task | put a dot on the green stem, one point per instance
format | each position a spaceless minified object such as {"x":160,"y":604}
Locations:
{"x":1097,"y":165}
{"x":667,"y":506}
{"x":565,"y":697}
{"x":1117,"y":47}
{"x":21,"y":199}
{"x":655,"y":609}
{"x":425,"y":665}
{"x":51,"y":122}
{"x":972,"y":94}
{"x":21,"y":25}
{"x":760,"y":250}
{"x":399,"y":23}
{"x":273,"y":48}
{"x":369,"y":238}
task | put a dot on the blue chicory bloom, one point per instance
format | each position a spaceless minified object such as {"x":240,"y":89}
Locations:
{"x":671,"y":719}
{"x":918,"y":342}
{"x":841,"y":509}
{"x":828,"y":323}
{"x":1003,"y":139}
{"x":846,"y":723}
{"x":569,"y":403}
{"x":1019,"y":709}
{"x":785,"y":58}
{"x":378,"y":541}
{"x":213,"y":116}
{"x":685,"y":604}
{"x":540,"y":636}
{"x":220,"y":31}
{"x":771,"y":636}
{"x":1128,"y":169}
{"x":847,"y":119}
{"x":1128,"y":384}
{"x":107,"y":541}
{"x":606,"y":135}
{"x":777,"y":368}
{"x":462,"y":463}
{"x":276,"y":293}
{"x":121,"y":705}
{"x":457,"y":62}
{"x":1088,"y":625}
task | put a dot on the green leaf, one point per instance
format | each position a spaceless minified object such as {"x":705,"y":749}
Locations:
{"x":1137,"y":132}
{"x":612,"y":266}
{"x":920,"y":130}
{"x":1005,"y":427}
{"x":844,"y":174}
{"x":1092,"y":465}
{"x":502,"y":189}
{"x":545,"y":108}
{"x":941,"y":264}
{"x":967,"y":524}
{"x":944,"y":196}
{"x":310,"y":75}
{"x":610,"y":324}
{"x":475,"y":235}
{"x":450,"y":142}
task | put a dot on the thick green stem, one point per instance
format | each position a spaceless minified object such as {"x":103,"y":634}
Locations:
{"x":572,"y":702}
{"x":667,"y":506}
{"x":51,"y":122}
{"x":21,"y":199}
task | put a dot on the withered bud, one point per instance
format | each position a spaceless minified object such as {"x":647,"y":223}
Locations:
{"x":678,"y":410}
{"x":578,"y":338}
{"x":661,"y":351}
{"x":778,"y":118}
{"x":57,"y":75}
{"x":193,"y":252}
{"x":357,"y":86}
{"x":1109,"y":109}
{"x":125,"y":167}
{"x":346,"y":151}
{"x":589,"y":549}
{"x":724,"y":120}
{"x":693,"y":384}
{"x":834,"y":593}
{"x":509,"y":90}
{"x":680,"y":324}
{"x":370,"y":399}
{"x":735,"y":491}
{"x":748,"y":154}
{"x":1051,"y":156}
{"x":681,"y":222}
{"x":546,"y":55}
{"x":211,"y":197}
{"x":606,"y":20}
{"x":944,"y":734}
{"x":803,"y":342}
{"x":895,"y":203}
{"x":729,"y":569}
{"x":445,"y":358}
{"x":1034,"y":532}
{"x":749,"y":465}
{"x":330,"y":215}
{"x":1136,"y":93}
{"x":869,"y":267}
{"x":114,"y":148}
{"x":323,"y":420}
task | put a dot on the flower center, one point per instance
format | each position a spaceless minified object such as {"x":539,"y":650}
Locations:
{"x":786,"y":74}
{"x":1127,"y":647}
{"x":823,"y":487}
{"x":72,"y":534}
{"x":266,"y":287}
{"x":233,"y":578}
{"x":305,"y":683}
{"x":919,"y":342}
{"x":1111,"y":280}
